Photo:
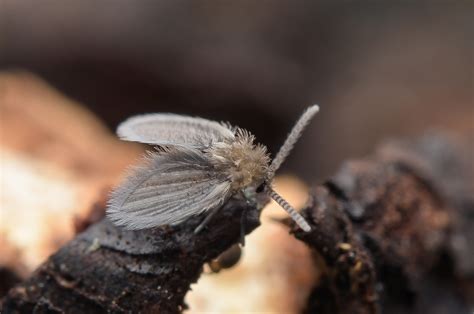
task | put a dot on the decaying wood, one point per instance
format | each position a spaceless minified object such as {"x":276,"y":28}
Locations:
{"x":387,"y":231}
{"x":393,"y":233}
{"x":109,"y":269}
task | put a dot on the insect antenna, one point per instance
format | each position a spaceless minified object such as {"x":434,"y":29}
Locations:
{"x":292,"y":139}
{"x":300,"y":221}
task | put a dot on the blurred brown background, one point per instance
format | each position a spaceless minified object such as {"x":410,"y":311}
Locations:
{"x":70,"y":71}
{"x":377,"y":69}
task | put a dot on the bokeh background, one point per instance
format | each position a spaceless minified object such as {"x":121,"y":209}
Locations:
{"x":72,"y":70}
{"x":376,"y":69}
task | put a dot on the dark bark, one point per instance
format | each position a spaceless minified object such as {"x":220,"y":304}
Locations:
{"x":387,"y":230}
{"x":8,"y":278}
{"x":392,"y":233}
{"x":107,"y":269}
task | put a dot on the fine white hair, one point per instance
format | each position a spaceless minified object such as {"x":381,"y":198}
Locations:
{"x":199,"y":165}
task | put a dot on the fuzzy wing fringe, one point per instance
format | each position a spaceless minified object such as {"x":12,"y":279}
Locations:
{"x":173,"y":130}
{"x":167,"y":188}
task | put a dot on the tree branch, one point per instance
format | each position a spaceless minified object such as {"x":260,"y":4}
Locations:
{"x":107,"y":269}
{"x":382,"y":228}
{"x":385,"y":231}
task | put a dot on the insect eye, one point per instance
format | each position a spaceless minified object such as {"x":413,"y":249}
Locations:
{"x":260,"y":188}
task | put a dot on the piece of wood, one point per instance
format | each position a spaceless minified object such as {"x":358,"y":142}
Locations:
{"x":107,"y":269}
{"x":386,"y":231}
{"x":383,"y":227}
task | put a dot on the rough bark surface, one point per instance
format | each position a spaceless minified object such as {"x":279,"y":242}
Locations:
{"x":394,"y":231}
{"x":107,"y":269}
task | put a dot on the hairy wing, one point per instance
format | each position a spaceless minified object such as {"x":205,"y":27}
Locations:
{"x":168,"y":189}
{"x":171,"y":129}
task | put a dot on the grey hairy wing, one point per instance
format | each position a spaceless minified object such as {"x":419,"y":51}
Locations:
{"x":168,"y":189}
{"x":171,"y":129}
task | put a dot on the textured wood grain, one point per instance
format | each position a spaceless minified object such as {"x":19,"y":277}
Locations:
{"x":107,"y":269}
{"x":387,"y":229}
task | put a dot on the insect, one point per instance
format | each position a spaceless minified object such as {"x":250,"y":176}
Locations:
{"x":197,"y":166}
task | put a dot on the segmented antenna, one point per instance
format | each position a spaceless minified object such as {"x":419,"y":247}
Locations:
{"x":300,"y":221}
{"x":292,"y":139}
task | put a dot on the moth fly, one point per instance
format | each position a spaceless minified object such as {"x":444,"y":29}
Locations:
{"x":199,"y":165}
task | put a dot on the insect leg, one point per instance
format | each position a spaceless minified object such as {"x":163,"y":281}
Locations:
{"x":207,"y":219}
{"x":243,"y":221}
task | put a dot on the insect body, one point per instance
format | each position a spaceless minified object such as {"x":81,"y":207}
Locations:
{"x":198,"y":166}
